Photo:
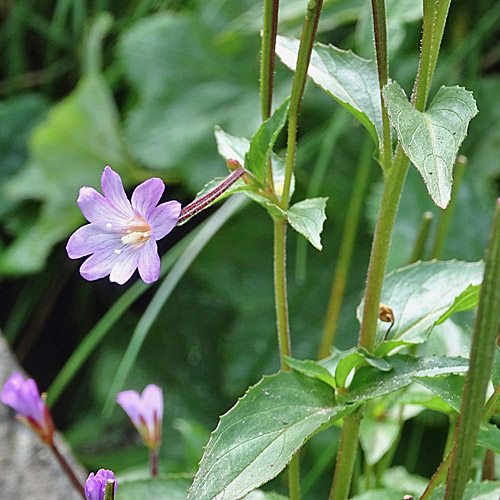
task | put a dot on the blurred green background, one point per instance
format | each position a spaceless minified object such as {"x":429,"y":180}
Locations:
{"x":139,"y":86}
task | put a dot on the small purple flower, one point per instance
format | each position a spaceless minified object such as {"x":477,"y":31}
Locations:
{"x":95,"y":485}
{"x":122,"y":235}
{"x":146,"y":412}
{"x":23,"y":396}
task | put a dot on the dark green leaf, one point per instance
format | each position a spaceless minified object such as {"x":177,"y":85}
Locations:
{"x":350,"y":79}
{"x":449,"y":388}
{"x":157,"y":489}
{"x":307,"y":218}
{"x":369,"y":382}
{"x":432,"y":139}
{"x":257,"y":438}
{"x":261,"y":145}
{"x":468,"y":299}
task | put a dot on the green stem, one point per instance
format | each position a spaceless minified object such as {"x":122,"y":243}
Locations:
{"x":346,"y":247}
{"x":447,"y":214}
{"x":280,"y":295}
{"x":347,"y":452}
{"x":268,"y":57}
{"x":380,"y":30}
{"x":299,"y":81}
{"x":438,"y":477}
{"x":421,"y":240}
{"x":109,"y":492}
{"x":452,"y":430}
{"x":480,"y":365}
{"x":492,"y":405}
{"x":294,"y":477}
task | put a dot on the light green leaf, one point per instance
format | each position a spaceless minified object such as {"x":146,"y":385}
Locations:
{"x":418,"y":295}
{"x":468,"y":299}
{"x":449,"y":388}
{"x":312,"y":369}
{"x":486,"y":490}
{"x":257,"y":438}
{"x":154,"y":488}
{"x":489,"y":437}
{"x":70,"y":149}
{"x":377,"y":436}
{"x":261,"y":145}
{"x":385,"y":494}
{"x":264,"y":495}
{"x":397,"y":476}
{"x":432,"y":139}
{"x":307,"y":218}
{"x":350,"y":79}
{"x":369,"y":382}
{"x":495,"y":374}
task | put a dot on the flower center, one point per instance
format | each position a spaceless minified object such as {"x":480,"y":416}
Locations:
{"x":138,"y":232}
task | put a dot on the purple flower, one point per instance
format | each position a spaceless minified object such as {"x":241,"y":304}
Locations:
{"x":95,"y":485}
{"x":23,"y":396}
{"x":122,"y":235}
{"x":146,"y":412}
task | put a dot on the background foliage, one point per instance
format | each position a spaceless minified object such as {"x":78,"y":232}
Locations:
{"x":140,"y":86}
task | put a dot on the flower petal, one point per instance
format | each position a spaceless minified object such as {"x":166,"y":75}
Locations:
{"x":96,"y":208}
{"x":92,"y":238}
{"x":149,"y":262}
{"x":164,"y":218}
{"x":98,"y":265}
{"x":147,"y":195}
{"x":125,"y":265}
{"x":152,"y":401}
{"x":112,"y":188}
{"x":130,"y":401}
{"x":23,"y":396}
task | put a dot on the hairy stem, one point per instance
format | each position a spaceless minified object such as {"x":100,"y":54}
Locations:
{"x":421,"y":239}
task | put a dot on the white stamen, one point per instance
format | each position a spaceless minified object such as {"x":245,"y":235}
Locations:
{"x":129,"y":231}
{"x":108,"y":225}
{"x":118,"y":252}
{"x":136,"y":237}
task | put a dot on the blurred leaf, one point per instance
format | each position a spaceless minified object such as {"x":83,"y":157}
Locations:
{"x":432,"y":139}
{"x":489,"y":437}
{"x":396,"y":476}
{"x":486,"y":490}
{"x":384,"y":494}
{"x":369,"y":382}
{"x":264,"y":495}
{"x":257,"y":438}
{"x":419,"y":294}
{"x":350,"y":79}
{"x":468,"y":299}
{"x":495,"y":374}
{"x":377,"y":436}
{"x":69,"y":150}
{"x":307,"y":218}
{"x":261,"y":145}
{"x":155,"y":488}
{"x":450,"y":388}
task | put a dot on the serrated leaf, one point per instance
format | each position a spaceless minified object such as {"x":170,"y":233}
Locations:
{"x":431,"y":139}
{"x":468,"y":299}
{"x":257,"y":438}
{"x":350,"y":79}
{"x":154,"y":488}
{"x":311,"y":369}
{"x":486,"y":490}
{"x":419,"y":294}
{"x":261,"y":144}
{"x":307,"y":218}
{"x":449,"y":388}
{"x":369,"y":382}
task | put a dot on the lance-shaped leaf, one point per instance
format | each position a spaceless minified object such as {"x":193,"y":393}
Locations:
{"x":449,"y":388}
{"x":369,"y":382}
{"x":257,"y":438}
{"x":307,"y":218}
{"x":350,"y":79}
{"x":261,"y":145}
{"x":419,"y":295}
{"x":431,"y":139}
{"x":468,"y":299}
{"x":487,"y":490}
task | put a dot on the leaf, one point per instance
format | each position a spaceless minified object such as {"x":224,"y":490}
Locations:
{"x":495,"y":374}
{"x":432,"y":139}
{"x":468,"y":299}
{"x":257,"y":438}
{"x":449,"y":388}
{"x":261,"y":145}
{"x":489,"y":437}
{"x":486,"y":490}
{"x":419,"y":294}
{"x":68,"y":150}
{"x":369,"y":382}
{"x":307,"y":218}
{"x":155,"y":488}
{"x":312,"y":369}
{"x":385,"y":494}
{"x":264,"y":495}
{"x":348,"y":78}
{"x":377,"y":436}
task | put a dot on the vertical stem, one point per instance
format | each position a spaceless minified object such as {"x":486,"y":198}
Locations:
{"x":421,"y":240}
{"x":68,"y":470}
{"x":346,"y":247}
{"x":153,"y":462}
{"x":380,"y":30}
{"x":268,"y":57}
{"x":480,"y":365}
{"x":109,"y":492}
{"x":447,"y":213}
{"x":299,"y":81}
{"x":488,"y":466}
{"x":438,"y":477}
